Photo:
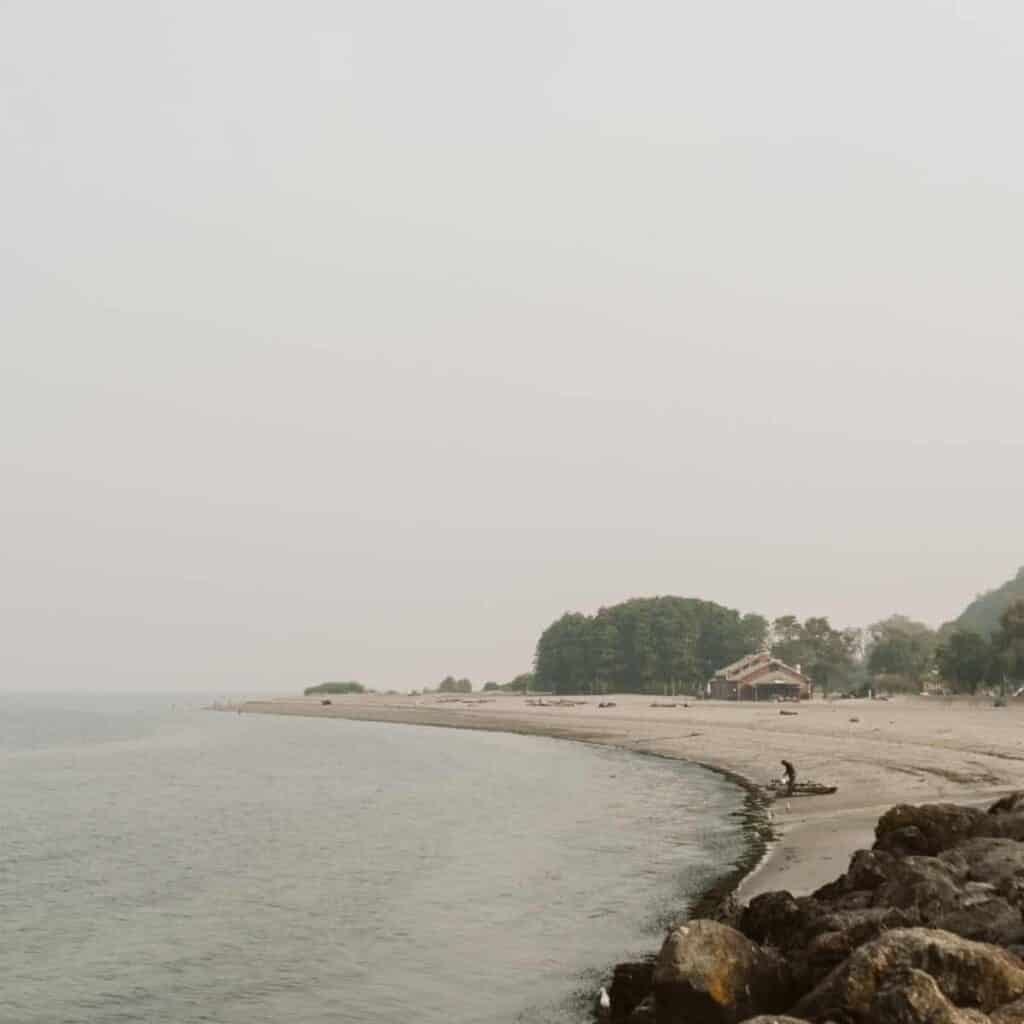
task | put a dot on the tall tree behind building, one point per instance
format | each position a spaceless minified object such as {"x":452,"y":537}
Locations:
{"x":899,"y":646}
{"x":824,"y":654}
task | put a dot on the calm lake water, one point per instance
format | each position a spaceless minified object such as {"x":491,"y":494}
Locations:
{"x":162,"y":863}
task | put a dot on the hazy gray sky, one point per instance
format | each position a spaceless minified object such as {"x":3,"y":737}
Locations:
{"x":361,"y":339}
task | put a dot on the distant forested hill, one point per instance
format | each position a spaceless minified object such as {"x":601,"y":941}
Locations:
{"x":982,"y":614}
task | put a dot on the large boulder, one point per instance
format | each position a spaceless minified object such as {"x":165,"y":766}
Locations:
{"x":968,"y":974}
{"x":709,"y":973}
{"x":926,"y":885}
{"x":927,"y":829}
{"x":912,"y":997}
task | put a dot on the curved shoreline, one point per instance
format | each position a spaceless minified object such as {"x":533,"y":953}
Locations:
{"x":877,"y":753}
{"x":758,"y":836}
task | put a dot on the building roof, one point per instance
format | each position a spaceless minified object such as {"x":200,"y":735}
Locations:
{"x":755,"y":664}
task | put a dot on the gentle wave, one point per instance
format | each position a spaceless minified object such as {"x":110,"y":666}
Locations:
{"x":212,"y":867}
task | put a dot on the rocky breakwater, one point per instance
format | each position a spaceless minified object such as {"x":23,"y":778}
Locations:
{"x":924,"y":928}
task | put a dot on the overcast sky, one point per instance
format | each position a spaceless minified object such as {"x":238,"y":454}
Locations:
{"x":362,"y":339}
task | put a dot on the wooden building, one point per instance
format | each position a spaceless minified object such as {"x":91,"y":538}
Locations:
{"x":760,"y":677}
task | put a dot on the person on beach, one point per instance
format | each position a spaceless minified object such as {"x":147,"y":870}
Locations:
{"x":789,"y":777}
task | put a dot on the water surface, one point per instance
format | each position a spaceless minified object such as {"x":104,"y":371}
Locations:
{"x":173,"y":865}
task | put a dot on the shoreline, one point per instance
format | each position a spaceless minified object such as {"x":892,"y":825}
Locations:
{"x":878,"y":753}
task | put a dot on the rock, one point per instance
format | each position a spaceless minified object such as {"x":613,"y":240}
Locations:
{"x":904,"y":841}
{"x":768,"y":1018}
{"x":1008,"y":804}
{"x":842,"y":932}
{"x":987,"y":920}
{"x":990,"y":859}
{"x":928,"y":829}
{"x":709,"y":973}
{"x":1011,"y":1013}
{"x":1008,"y":824}
{"x":928,"y":926}
{"x":631,"y":985}
{"x":868,"y":869}
{"x":926,"y":885}
{"x":643,"y":1013}
{"x":864,"y":925}
{"x":994,"y":861}
{"x":776,"y":919}
{"x":828,"y":949}
{"x":1012,"y":890}
{"x":966,"y":973}
{"x":912,"y":997}
{"x":852,"y":901}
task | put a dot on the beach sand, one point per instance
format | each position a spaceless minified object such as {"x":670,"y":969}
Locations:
{"x":878,"y":753}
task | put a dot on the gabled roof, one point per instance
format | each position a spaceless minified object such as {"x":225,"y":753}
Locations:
{"x":744,"y":665}
{"x":754,"y":664}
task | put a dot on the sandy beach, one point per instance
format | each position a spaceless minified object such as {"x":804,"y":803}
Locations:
{"x":878,"y":753}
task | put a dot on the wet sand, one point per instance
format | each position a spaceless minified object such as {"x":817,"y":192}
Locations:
{"x":878,"y":753}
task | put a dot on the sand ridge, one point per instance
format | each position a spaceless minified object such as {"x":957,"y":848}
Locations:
{"x":878,"y":753}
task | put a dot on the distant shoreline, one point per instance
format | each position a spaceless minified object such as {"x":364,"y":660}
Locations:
{"x":908,"y":750}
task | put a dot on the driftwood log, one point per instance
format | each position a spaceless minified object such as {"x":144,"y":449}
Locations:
{"x":802,"y":788}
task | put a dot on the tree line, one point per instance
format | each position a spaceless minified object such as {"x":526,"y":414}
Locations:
{"x":676,"y":644}
{"x":348,"y":687}
{"x":969,"y":659}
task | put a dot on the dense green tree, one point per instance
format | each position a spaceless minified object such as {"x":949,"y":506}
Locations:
{"x":900,"y":646}
{"x":350,"y":687}
{"x":604,"y":657}
{"x":830,"y":653}
{"x":644,"y":645}
{"x":1009,"y":640}
{"x":724,"y":636}
{"x":787,"y":639}
{"x":965,"y":659}
{"x":753,"y":632}
{"x":891,"y":683}
{"x":564,"y":651}
{"x":523,"y":683}
{"x":824,"y":654}
{"x":632,"y":620}
{"x":452,"y":685}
